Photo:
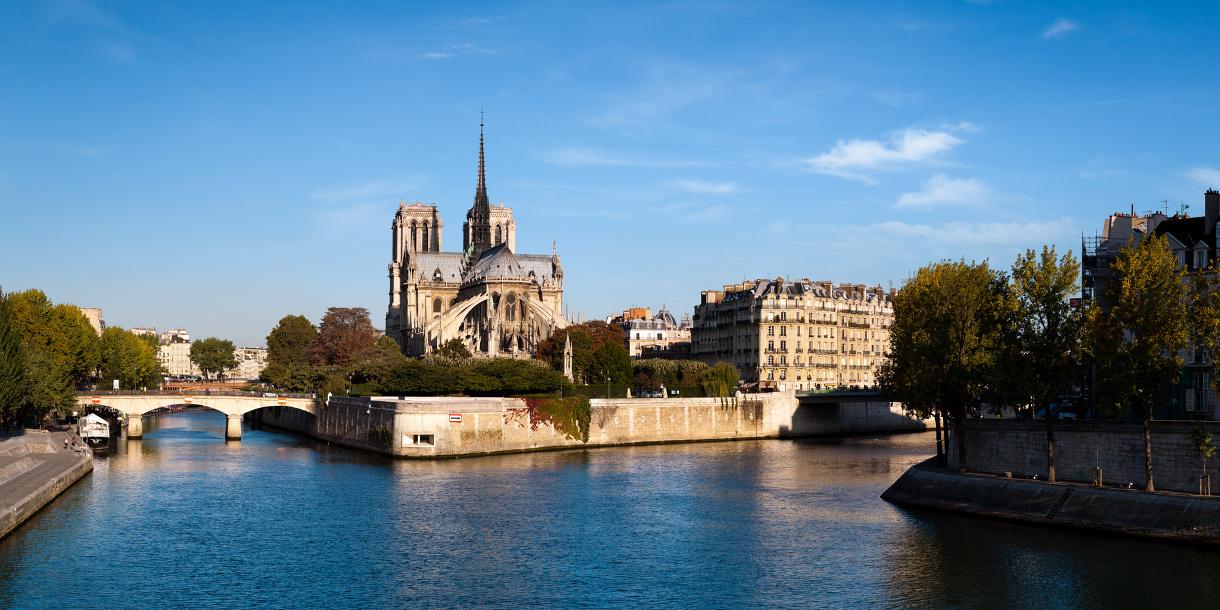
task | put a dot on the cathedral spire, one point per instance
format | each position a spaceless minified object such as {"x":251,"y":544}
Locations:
{"x":480,"y":194}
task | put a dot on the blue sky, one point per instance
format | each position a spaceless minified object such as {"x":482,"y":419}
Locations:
{"x":218,"y":165}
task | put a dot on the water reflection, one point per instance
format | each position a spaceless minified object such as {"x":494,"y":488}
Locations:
{"x":190,"y":520}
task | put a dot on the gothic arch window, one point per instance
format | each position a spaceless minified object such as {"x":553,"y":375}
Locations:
{"x":499,"y":238}
{"x":414,"y":242}
{"x":425,"y":236}
{"x":436,"y":305}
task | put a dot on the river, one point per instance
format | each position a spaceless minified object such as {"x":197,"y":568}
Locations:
{"x":183,"y":518}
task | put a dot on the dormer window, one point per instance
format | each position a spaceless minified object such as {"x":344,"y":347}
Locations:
{"x":1200,"y":259}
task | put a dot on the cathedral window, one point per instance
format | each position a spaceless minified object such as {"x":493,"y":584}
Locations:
{"x":499,"y":238}
{"x":436,"y":305}
{"x":425,"y":239}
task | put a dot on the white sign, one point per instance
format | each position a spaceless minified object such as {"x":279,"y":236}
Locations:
{"x":455,"y":418}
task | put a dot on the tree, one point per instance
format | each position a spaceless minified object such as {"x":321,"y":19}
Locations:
{"x":12,"y":366}
{"x":1137,"y":343}
{"x":129,"y":358}
{"x":586,"y":338}
{"x":345,"y":332}
{"x":453,"y":350}
{"x":669,"y":372}
{"x":1201,"y":441}
{"x":289,"y":342}
{"x":948,"y":325}
{"x":1046,"y":340}
{"x":83,"y":342}
{"x":610,"y":361}
{"x":213,"y":355}
{"x":376,"y":364}
{"x":720,"y":380}
{"x":49,"y":357}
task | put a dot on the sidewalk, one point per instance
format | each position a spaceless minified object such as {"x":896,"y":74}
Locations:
{"x":34,"y":469}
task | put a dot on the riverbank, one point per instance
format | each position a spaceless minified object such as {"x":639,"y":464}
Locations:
{"x":34,"y":469}
{"x":450,"y":427}
{"x":1166,"y":516}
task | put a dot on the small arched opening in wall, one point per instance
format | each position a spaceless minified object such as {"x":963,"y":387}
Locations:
{"x":437,"y":305}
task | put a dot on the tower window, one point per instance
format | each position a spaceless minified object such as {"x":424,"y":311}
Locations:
{"x":436,"y":305}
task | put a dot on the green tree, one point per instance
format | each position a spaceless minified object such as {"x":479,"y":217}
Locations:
{"x":1137,"y":343}
{"x":453,"y":350}
{"x":213,"y":355}
{"x":129,"y":358}
{"x":290,"y":340}
{"x":49,"y":357}
{"x":345,"y":332}
{"x":1201,"y":442}
{"x":721,"y":379}
{"x":587,"y":339}
{"x":83,"y":342}
{"x":948,"y":325}
{"x":612,"y":361}
{"x":375,"y":364}
{"x":1047,"y":334}
{"x":12,"y":366}
{"x":670,"y":372}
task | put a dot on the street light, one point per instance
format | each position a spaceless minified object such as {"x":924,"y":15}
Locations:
{"x":607,"y":387}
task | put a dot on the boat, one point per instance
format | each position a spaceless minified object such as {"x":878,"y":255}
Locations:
{"x":95,"y":431}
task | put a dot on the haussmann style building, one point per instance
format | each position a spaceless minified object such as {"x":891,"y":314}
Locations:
{"x":801,"y":335}
{"x":496,"y":301}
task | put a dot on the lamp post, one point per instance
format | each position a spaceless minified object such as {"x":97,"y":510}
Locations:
{"x":607,"y":387}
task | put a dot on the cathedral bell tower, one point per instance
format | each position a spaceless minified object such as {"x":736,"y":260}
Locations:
{"x":477,"y":235}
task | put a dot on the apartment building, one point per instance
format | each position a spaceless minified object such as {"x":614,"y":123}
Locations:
{"x":802,"y":335}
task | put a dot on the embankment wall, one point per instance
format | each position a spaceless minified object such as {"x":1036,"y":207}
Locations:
{"x":14,"y":514}
{"x":1166,"y":516}
{"x":1019,"y":446}
{"x":457,"y":426}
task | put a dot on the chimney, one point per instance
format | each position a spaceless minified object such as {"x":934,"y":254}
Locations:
{"x":1211,"y":207}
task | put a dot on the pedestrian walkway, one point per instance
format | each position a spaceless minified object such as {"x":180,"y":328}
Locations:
{"x":29,"y":460}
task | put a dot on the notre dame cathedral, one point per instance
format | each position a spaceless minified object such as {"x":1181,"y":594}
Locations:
{"x":497,"y":302}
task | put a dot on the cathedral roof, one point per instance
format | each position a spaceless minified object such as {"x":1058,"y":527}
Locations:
{"x":499,"y":262}
{"x":447,"y":264}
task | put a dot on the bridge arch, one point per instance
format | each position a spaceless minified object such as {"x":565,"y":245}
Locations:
{"x":135,"y":407}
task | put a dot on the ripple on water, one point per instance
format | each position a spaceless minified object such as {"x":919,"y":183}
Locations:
{"x":184,"y":518}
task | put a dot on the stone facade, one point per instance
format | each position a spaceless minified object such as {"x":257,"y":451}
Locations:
{"x":497,"y":302}
{"x":649,"y":336}
{"x":433,"y":427}
{"x":803,"y":335}
{"x":1019,"y":446}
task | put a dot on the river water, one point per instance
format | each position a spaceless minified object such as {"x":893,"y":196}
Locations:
{"x":185,"y":519}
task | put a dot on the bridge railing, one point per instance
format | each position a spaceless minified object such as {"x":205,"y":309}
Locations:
{"x":196,"y":393}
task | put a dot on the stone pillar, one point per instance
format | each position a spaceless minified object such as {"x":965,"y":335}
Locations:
{"x":233,"y":428}
{"x":135,"y":426}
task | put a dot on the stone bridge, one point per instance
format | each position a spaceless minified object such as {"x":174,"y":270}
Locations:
{"x":135,"y":406}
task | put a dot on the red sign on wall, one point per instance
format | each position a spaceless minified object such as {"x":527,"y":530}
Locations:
{"x":455,"y":417}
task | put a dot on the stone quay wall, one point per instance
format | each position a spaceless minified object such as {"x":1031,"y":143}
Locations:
{"x":434,"y":427}
{"x":1164,"y":516}
{"x":1019,"y":446}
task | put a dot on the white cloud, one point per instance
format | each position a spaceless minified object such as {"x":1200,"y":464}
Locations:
{"x":964,"y":234}
{"x":852,"y":159}
{"x":455,"y":50}
{"x":701,"y":187}
{"x":941,"y":189}
{"x":896,"y":98}
{"x":1059,"y":28}
{"x":696,"y":213}
{"x":1208,"y":176}
{"x":373,"y":190}
{"x":666,"y":88}
{"x":583,"y":157}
